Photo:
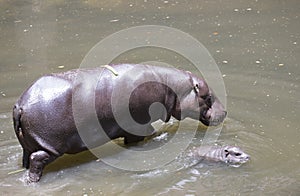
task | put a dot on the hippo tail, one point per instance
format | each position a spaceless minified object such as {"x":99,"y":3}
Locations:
{"x":17,"y":113}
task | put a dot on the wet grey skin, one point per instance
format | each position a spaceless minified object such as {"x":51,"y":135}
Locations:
{"x":231,"y":155}
{"x":60,"y":113}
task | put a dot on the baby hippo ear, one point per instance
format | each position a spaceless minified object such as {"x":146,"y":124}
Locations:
{"x":226,"y":152}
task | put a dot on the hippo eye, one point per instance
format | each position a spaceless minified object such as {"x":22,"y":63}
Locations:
{"x":237,"y":154}
{"x":209,"y":100}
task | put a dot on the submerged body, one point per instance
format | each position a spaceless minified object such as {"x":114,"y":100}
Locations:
{"x":80,"y":109}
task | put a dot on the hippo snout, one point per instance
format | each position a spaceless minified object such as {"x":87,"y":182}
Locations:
{"x":215,"y":114}
{"x":217,"y":118}
{"x":235,"y":156}
{"x":213,"y":118}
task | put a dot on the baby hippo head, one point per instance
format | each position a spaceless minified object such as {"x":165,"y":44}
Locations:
{"x":234,"y":156}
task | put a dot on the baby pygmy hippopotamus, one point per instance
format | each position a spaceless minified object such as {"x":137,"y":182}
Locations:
{"x":231,"y":155}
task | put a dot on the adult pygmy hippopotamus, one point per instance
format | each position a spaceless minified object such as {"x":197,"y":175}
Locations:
{"x":49,"y":114}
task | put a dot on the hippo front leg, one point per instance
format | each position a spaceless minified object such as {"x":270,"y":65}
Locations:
{"x":132,"y":138}
{"x":38,"y":160}
{"x":129,"y":138}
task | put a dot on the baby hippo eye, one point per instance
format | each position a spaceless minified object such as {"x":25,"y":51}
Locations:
{"x":237,"y":154}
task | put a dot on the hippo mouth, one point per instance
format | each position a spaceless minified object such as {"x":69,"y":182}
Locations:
{"x":208,"y":119}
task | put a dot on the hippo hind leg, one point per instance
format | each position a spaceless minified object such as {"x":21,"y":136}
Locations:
{"x":38,"y":160}
{"x":26,"y":159}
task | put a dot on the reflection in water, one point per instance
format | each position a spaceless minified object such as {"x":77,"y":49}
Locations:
{"x":255,"y":44}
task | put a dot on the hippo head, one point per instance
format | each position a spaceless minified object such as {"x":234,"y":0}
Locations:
{"x":234,"y":156}
{"x":200,"y":103}
{"x":212,"y":111}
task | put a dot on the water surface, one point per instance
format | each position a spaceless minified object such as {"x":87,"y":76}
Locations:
{"x":254,"y":43}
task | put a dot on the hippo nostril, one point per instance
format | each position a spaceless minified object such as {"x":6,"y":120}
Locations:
{"x":208,"y":114}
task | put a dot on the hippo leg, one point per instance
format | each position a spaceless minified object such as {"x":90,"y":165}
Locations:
{"x":38,"y":160}
{"x":129,"y":138}
{"x":26,"y":159}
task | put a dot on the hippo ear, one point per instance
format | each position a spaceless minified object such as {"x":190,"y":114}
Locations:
{"x":226,"y":153}
{"x":196,"y":88}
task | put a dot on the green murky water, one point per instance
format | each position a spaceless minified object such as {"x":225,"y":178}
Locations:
{"x":254,"y":43}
